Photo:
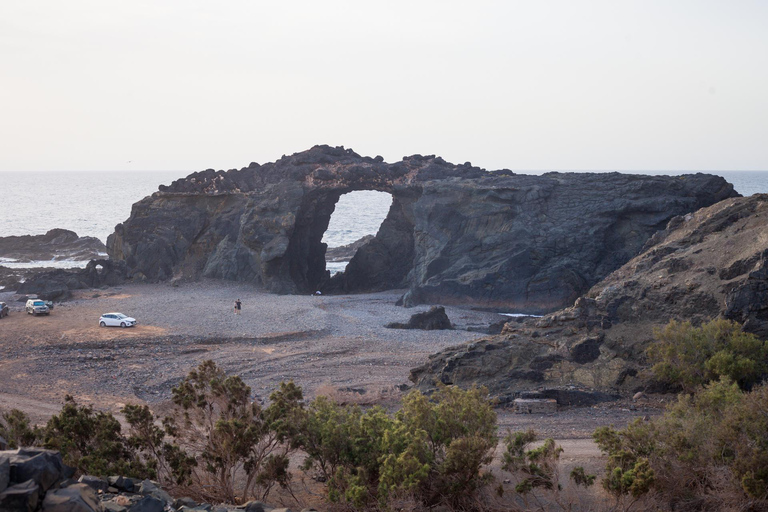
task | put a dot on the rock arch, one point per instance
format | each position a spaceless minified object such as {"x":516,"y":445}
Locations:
{"x":454,"y":233}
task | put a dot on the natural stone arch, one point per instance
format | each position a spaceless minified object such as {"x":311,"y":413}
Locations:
{"x":383,"y":263}
{"x":455,"y":234}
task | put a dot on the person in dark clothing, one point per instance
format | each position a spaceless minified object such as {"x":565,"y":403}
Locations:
{"x":238,"y":306}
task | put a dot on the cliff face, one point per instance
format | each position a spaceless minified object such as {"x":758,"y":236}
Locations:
{"x":454,"y":233}
{"x":711,"y":263}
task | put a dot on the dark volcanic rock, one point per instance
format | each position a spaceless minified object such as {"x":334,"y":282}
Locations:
{"x":711,"y":263}
{"x":56,"y":244}
{"x":345,"y":252}
{"x":57,"y":284}
{"x":454,"y":233}
{"x":434,"y":319}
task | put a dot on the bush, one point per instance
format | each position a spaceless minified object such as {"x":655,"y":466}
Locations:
{"x":216,"y":443}
{"x":16,"y":429}
{"x":710,"y":449}
{"x":689,"y":357}
{"x":537,"y":469}
{"x":432,"y":450}
{"x":92,"y":442}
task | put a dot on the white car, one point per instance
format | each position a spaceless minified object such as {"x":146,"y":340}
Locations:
{"x":115,"y":320}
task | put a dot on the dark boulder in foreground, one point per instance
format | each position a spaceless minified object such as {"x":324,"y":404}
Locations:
{"x":434,"y":319}
{"x":56,"y":244}
{"x":454,"y":233}
{"x":37,"y":480}
{"x":711,"y":263}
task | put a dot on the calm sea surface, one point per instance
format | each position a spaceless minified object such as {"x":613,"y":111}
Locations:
{"x":92,"y":203}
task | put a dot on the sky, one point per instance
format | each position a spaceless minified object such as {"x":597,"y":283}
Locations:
{"x":533,"y":85}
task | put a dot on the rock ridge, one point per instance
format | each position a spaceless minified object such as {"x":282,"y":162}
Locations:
{"x":707,"y":264}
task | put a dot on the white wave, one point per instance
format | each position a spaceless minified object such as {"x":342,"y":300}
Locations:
{"x":336,"y":266}
{"x":11,"y":263}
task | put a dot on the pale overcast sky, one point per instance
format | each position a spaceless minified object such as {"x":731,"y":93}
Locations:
{"x":534,"y":85}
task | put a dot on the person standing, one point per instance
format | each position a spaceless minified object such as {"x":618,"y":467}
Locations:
{"x":238,"y":306}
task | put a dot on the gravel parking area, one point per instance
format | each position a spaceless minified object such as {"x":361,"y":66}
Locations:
{"x":335,"y":344}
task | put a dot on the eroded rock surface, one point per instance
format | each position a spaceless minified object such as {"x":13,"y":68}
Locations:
{"x":454,"y":233}
{"x":711,"y":263}
{"x":57,"y":284}
{"x":56,"y":244}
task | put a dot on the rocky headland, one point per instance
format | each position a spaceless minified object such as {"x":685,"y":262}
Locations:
{"x":706,"y":264}
{"x":455,"y":234}
{"x":55,"y":245}
{"x":41,"y":250}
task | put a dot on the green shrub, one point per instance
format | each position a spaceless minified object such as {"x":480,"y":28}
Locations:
{"x":690,"y":357}
{"x":216,"y":443}
{"x":93,"y":443}
{"x":432,"y":449}
{"x":17,"y":430}
{"x":710,"y":448}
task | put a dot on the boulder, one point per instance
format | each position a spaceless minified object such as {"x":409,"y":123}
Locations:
{"x":21,"y":497}
{"x":455,"y":234}
{"x":256,"y":506}
{"x":121,"y":483}
{"x":75,"y":498}
{"x":94,"y":482}
{"x":5,"y":473}
{"x":44,"y":467}
{"x":434,"y":319}
{"x":150,"y":488}
{"x":148,"y":504}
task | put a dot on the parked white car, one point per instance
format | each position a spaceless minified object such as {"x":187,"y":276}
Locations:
{"x":116,"y":320}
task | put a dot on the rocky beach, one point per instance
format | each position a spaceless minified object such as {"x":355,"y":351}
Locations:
{"x":606,"y":260}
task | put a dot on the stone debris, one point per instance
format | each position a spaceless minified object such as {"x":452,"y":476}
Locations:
{"x":37,"y":480}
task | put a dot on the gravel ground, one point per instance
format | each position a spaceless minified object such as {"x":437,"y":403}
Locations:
{"x":333,"y":345}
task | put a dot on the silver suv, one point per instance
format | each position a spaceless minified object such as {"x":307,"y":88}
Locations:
{"x":37,"y":307}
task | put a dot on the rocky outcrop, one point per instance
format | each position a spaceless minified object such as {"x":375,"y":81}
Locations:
{"x":57,"y":284}
{"x":454,"y":233}
{"x":37,"y":480}
{"x":346,"y":252}
{"x":56,"y":245}
{"x":434,"y":319}
{"x":710,"y":263}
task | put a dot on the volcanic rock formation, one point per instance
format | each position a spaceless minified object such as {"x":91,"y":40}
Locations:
{"x":711,"y":263}
{"x":454,"y":233}
{"x":56,"y":244}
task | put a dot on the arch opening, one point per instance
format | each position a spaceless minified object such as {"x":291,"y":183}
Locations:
{"x":356,"y":219}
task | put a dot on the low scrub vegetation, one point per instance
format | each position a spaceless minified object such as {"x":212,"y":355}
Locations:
{"x":708,"y":452}
{"x":216,"y":444}
{"x":688,"y":357}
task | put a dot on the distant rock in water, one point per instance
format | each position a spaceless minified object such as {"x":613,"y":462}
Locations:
{"x":434,"y":319}
{"x":346,"y":252}
{"x":455,"y":234}
{"x":56,"y":244}
{"x":707,"y":264}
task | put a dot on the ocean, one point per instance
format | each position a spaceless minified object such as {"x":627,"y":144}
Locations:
{"x":91,"y":203}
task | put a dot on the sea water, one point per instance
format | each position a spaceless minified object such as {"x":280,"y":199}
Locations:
{"x":91,"y":203}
